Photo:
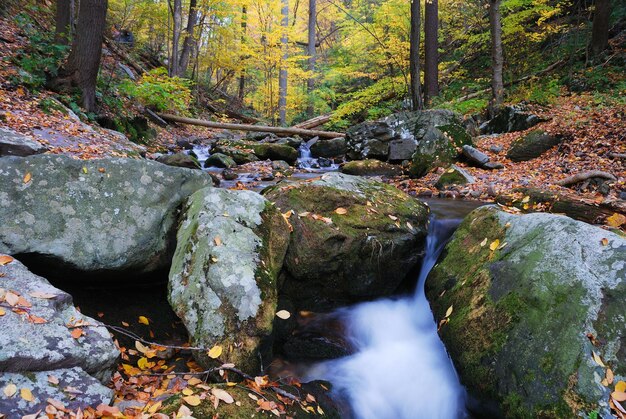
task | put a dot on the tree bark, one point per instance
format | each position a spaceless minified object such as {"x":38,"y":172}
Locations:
{"x":311,"y":52}
{"x":83,"y":63}
{"x":497,"y":58}
{"x":242,"y":76}
{"x":189,"y":41}
{"x":282,"y":74}
{"x":63,"y":22}
{"x":600,"y":29}
{"x":414,"y":56}
{"x":177,"y":16}
{"x":431,"y":54}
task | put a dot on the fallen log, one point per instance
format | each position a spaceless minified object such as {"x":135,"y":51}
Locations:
{"x":255,"y":128}
{"x":155,"y":118}
{"x":314,"y":122}
{"x":585,"y":176}
{"x":124,"y":56}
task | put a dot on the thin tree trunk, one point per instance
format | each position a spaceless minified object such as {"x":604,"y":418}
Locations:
{"x":63,"y":21}
{"x":282,"y":74}
{"x":189,"y":41}
{"x":497,"y":58}
{"x":83,"y":63}
{"x":414,"y":56}
{"x":600,"y":29}
{"x":431,"y":55}
{"x":177,"y":16}
{"x":242,"y":76}
{"x":311,"y":52}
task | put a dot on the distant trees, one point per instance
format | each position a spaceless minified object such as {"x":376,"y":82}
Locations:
{"x":283,"y":73}
{"x":497,"y":58}
{"x":414,"y":57}
{"x":600,"y":29}
{"x":431,"y":54}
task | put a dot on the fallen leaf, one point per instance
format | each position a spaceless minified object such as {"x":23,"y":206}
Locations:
{"x":53,"y":380}
{"x":604,"y":241}
{"x":217,"y":240}
{"x":57,"y":404}
{"x":26,"y":394}
{"x":10,"y":390}
{"x":618,"y":396}
{"x":44,"y":295}
{"x":341,"y":211}
{"x":144,"y":320}
{"x":609,"y":376}
{"x":616,"y":220}
{"x":187,"y":391}
{"x":215,"y":352}
{"x":449,"y":311}
{"x":620,"y":386}
{"x":76,"y":333}
{"x":525,"y":199}
{"x":2,"y":312}
{"x":192,"y":400}
{"x":393,"y":217}
{"x":283,"y":314}
{"x":5,"y":260}
{"x":598,"y":360}
{"x":494,"y":245}
{"x":27,"y":177}
{"x":483,"y":243}
{"x":106,"y":410}
{"x":11,"y":298}
{"x":222,"y":395}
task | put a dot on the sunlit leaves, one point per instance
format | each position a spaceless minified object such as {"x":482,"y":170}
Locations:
{"x":215,"y":352}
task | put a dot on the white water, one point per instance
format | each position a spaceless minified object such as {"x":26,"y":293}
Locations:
{"x":401,"y":369}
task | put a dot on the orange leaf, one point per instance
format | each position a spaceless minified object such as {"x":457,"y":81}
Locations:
{"x":5,"y":260}
{"x":76,"y":333}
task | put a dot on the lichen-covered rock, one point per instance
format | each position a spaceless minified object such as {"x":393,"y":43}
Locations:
{"x":532,"y":145}
{"x":109,"y":215}
{"x":15,"y":144}
{"x":38,"y":337}
{"x":353,"y":238}
{"x":239,"y":155}
{"x":84,"y":391}
{"x":454,"y":176}
{"x":223,"y":279}
{"x":180,"y":160}
{"x":528,"y":292}
{"x":510,"y":119}
{"x":370,"y":167}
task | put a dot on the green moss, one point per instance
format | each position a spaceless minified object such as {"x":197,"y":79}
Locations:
{"x":459,"y":135}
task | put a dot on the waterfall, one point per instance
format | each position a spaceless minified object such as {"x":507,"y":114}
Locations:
{"x":400,"y":369}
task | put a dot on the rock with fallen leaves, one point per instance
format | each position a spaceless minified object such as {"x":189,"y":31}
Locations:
{"x":538,"y":313}
{"x":223,"y":279}
{"x":107,"y":215}
{"x":40,"y":346}
{"x":354,"y":238}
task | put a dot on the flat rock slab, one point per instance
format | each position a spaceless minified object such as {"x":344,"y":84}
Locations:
{"x":15,"y":144}
{"x":36,"y":332}
{"x":75,"y":390}
{"x":99,"y":216}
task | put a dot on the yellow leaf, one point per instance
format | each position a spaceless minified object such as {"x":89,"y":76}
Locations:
{"x":616,"y":220}
{"x":2,"y":312}
{"x":84,"y":170}
{"x":153,"y":408}
{"x":5,"y":260}
{"x":525,"y":199}
{"x":187,"y":391}
{"x":620,"y":386}
{"x":494,"y":244}
{"x":10,"y":390}
{"x":194,"y":381}
{"x":618,"y":396}
{"x":26,"y":394}
{"x":144,"y":364}
{"x":283,"y":314}
{"x":27,"y":177}
{"x":144,"y":320}
{"x":192,"y":400}
{"x":449,"y":311}
{"x":341,"y":211}
{"x":215,"y":351}
{"x":598,"y":360}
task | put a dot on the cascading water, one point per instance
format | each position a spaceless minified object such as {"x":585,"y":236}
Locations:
{"x":400,"y":368}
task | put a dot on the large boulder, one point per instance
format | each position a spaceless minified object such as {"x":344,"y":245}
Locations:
{"x":262,"y":150}
{"x":39,"y":338}
{"x":535,"y":306}
{"x":180,"y":160}
{"x":532,"y":145}
{"x":334,"y":147}
{"x":510,"y":119}
{"x":454,"y":175}
{"x":220,"y":160}
{"x":223,"y":279}
{"x":370,"y":167}
{"x":14,"y":144}
{"x":109,"y":215}
{"x":353,"y":238}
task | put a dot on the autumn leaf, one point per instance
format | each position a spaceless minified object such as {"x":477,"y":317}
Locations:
{"x":604,"y":241}
{"x":26,"y":394}
{"x":5,"y":260}
{"x":217,"y":240}
{"x":620,"y":386}
{"x":283,"y":314}
{"x":598,"y":360}
{"x":53,"y":380}
{"x":27,"y":177}
{"x":76,"y":333}
{"x":449,"y":311}
{"x":215,"y":352}
{"x":10,"y":390}
{"x":494,"y":245}
{"x":393,"y":217}
{"x":222,"y":395}
{"x":484,"y":242}
{"x":187,"y":391}
{"x":609,"y":376}
{"x":2,"y":312}
{"x":192,"y":400}
{"x":144,"y":320}
{"x":618,"y":396}
{"x":616,"y":220}
{"x":11,"y":298}
{"x":144,"y":364}
{"x":44,"y":295}
{"x":341,"y":211}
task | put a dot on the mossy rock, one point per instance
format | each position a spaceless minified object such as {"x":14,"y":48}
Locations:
{"x":240,"y":156}
{"x":370,"y":167}
{"x":336,"y":257}
{"x":220,"y":160}
{"x":453,"y":176}
{"x":180,"y":160}
{"x":263,"y":151}
{"x":223,"y":279}
{"x":525,"y":291}
{"x":532,"y":145}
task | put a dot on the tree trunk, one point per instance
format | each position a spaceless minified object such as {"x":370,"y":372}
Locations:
{"x":242,"y":76}
{"x":414,"y":56}
{"x":189,"y":41}
{"x":311,"y":52}
{"x":83,"y":63}
{"x":600,"y":30}
{"x":431,"y":55}
{"x":63,"y":21}
{"x":177,"y":15}
{"x":282,"y":75}
{"x":497,"y":58}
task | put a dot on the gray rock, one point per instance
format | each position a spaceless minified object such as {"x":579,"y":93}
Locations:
{"x":532,"y":145}
{"x":496,"y":148}
{"x":180,"y":160}
{"x":75,"y":390}
{"x":229,"y":174}
{"x":109,"y":215}
{"x":336,"y":258}
{"x":522,"y":312}
{"x":220,"y":160}
{"x":294,"y":142}
{"x":492,"y":165}
{"x":14,"y":144}
{"x":223,"y":279}
{"x":281,"y":166}
{"x":402,"y":149}
{"x":29,"y":346}
{"x":474,"y":156}
{"x":240,"y":156}
{"x":329,"y":148}
{"x":454,"y":176}
{"x":510,"y":119}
